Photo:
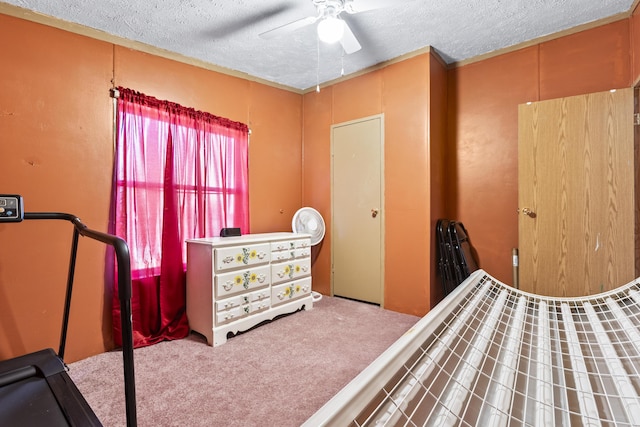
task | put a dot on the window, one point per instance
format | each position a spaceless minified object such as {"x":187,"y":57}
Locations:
{"x":179,"y":174}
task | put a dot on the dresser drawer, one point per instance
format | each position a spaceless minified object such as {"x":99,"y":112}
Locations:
{"x":302,"y":252}
{"x":284,"y":271}
{"x":232,"y":302}
{"x":259,"y":295}
{"x":288,"y":291}
{"x":243,"y":299}
{"x":241,"y":256}
{"x":283,"y":255}
{"x":260,"y":305}
{"x":283,"y":245}
{"x":242,"y":280}
{"x":303,"y":243}
{"x":234,"y":308}
{"x":229,"y":315}
{"x":290,"y":249}
{"x":255,"y":306}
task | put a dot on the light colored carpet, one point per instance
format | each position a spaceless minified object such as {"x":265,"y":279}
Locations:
{"x":277,"y":374}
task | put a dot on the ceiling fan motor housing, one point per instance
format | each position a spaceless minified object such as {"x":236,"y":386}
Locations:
{"x":330,"y":8}
{"x":331,"y":27}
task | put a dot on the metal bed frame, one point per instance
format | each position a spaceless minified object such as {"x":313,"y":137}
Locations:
{"x":490,"y":354}
{"x":35,"y":389}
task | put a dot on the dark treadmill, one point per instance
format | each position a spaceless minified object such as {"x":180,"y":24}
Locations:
{"x":35,"y":389}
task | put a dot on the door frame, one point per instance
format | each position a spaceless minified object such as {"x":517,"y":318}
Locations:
{"x":382,"y":198}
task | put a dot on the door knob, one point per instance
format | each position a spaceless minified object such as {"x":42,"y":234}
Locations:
{"x":374,"y":213}
{"x":528,"y":212}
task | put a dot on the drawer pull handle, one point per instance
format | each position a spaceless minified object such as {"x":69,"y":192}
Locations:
{"x":228,"y":285}
{"x":228,"y":260}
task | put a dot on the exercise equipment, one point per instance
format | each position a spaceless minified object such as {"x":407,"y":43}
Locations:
{"x":35,"y":389}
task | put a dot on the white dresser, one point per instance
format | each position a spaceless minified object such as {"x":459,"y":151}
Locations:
{"x":235,"y":283}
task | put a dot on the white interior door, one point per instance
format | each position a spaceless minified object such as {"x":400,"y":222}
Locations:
{"x":357,"y":215}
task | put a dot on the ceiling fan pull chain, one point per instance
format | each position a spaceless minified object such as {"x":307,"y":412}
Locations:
{"x":318,"y":65}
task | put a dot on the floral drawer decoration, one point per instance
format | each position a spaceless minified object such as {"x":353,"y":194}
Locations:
{"x":244,"y":279}
{"x":291,"y":271}
{"x":290,"y":291}
{"x":245,"y":257}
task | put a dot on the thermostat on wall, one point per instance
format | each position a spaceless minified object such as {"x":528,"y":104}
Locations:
{"x":11,"y":208}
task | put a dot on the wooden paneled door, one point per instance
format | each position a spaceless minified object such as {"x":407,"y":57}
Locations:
{"x":576,"y":194}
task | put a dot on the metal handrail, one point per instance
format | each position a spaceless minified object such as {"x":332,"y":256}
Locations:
{"x":123,"y":262}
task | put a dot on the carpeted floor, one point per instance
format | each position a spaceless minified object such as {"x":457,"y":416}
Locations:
{"x":277,"y":374}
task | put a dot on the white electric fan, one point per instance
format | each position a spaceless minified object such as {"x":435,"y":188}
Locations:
{"x":309,"y":221}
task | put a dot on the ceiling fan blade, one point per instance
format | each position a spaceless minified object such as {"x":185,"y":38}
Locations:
{"x":349,"y":41}
{"x":287,"y":28}
{"x":355,"y":6}
{"x":227,"y":29}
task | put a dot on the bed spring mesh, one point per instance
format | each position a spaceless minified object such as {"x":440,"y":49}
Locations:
{"x":502,"y":357}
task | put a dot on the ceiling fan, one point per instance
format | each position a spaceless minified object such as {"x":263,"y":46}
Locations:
{"x":331,"y":27}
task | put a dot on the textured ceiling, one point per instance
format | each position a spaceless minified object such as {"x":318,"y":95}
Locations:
{"x":225,"y":33}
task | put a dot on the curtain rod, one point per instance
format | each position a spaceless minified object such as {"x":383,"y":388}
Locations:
{"x":115,"y":93}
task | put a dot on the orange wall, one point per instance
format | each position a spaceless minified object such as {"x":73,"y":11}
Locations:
{"x":407,"y":194}
{"x":401,"y":92}
{"x":437,"y":129}
{"x":483,"y":125}
{"x":634,"y":28}
{"x":56,"y":121}
{"x":56,"y":127}
{"x":316,"y":178}
{"x":586,"y":62}
{"x":482,"y":186}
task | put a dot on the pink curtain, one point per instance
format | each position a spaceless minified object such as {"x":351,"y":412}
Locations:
{"x":179,"y":174}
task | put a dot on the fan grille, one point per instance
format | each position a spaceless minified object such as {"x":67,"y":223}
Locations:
{"x":309,"y":221}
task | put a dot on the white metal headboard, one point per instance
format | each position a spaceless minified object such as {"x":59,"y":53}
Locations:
{"x":493,"y":355}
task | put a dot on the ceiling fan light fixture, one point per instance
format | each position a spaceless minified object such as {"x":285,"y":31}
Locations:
{"x":330,"y":29}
